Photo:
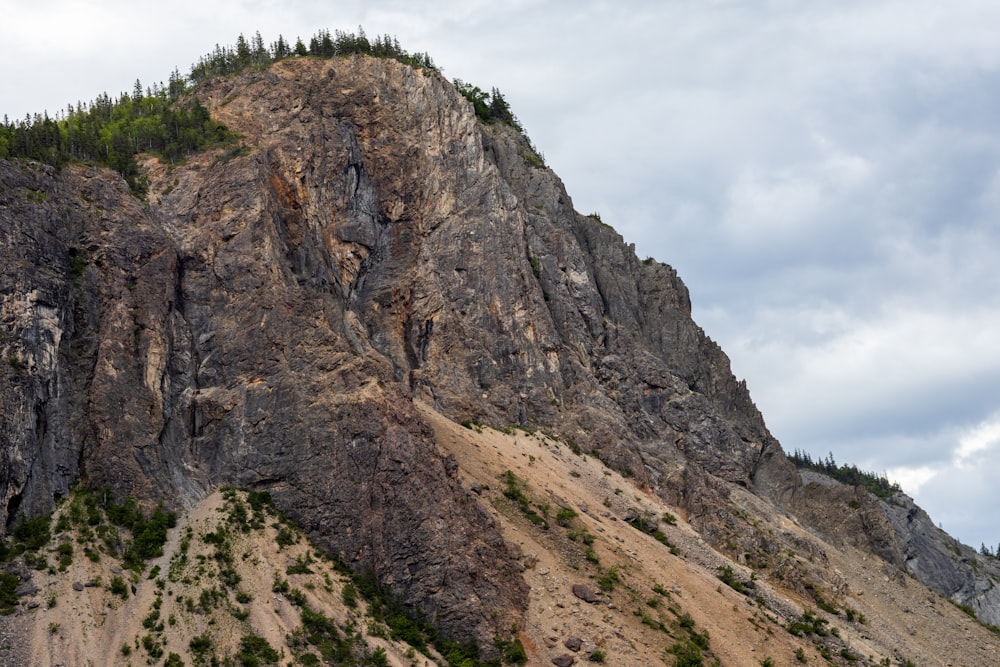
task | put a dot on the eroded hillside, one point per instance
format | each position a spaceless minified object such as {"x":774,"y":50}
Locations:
{"x":615,"y":576}
{"x":311,"y":313}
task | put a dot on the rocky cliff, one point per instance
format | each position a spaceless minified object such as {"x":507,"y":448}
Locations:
{"x":267,"y":318}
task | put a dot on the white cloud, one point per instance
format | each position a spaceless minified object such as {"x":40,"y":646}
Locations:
{"x":983,"y":437}
{"x":912,"y":479}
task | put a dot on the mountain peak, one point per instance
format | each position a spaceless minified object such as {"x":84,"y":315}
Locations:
{"x":312,"y":309}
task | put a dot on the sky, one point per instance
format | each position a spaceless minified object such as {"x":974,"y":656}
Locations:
{"x":823,"y":174}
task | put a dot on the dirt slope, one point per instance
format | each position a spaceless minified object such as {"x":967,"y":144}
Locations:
{"x":228,"y":573}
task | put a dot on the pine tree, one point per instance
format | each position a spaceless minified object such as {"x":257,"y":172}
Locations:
{"x":243,"y":54}
{"x":280,"y":49}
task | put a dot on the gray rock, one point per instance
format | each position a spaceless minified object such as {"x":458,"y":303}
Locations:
{"x":25,"y":588}
{"x":573,"y":643}
{"x":563,"y":660}
{"x":586,"y":593}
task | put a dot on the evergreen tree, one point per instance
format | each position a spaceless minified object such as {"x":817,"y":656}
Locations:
{"x":243,"y":53}
{"x":279,"y":49}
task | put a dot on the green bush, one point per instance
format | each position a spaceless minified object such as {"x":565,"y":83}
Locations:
{"x":200,"y":645}
{"x":349,"y":595}
{"x":300,"y":566}
{"x":33,"y":533}
{"x":8,"y":600}
{"x":286,"y":537}
{"x":254,"y":649}
{"x":513,"y":492}
{"x":119,"y":587}
{"x":686,"y":655}
{"x":728,"y":577}
{"x":565,"y":515}
{"x":607,"y":581}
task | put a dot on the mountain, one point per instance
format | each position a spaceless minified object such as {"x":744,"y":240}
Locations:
{"x":383,"y":315}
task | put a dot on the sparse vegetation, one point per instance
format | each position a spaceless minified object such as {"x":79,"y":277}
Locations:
{"x":513,"y":491}
{"x":565,"y":515}
{"x":606,"y":582}
{"x":118,"y":587}
{"x":729,"y":578}
{"x":686,"y":654}
{"x":255,"y":650}
{"x":851,"y":475}
{"x":809,"y":624}
{"x":8,"y":600}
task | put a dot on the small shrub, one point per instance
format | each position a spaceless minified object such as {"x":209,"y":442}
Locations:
{"x":300,"y":566}
{"x":152,"y":647}
{"x":286,"y":537}
{"x":151,"y":619}
{"x":512,"y":652}
{"x":118,"y":587}
{"x":565,"y":515}
{"x":379,"y":658}
{"x":34,"y":532}
{"x":728,"y":577}
{"x":253,"y":646}
{"x":596,"y":656}
{"x":8,"y":600}
{"x":607,"y":581}
{"x":349,"y":595}
{"x":686,"y":655}
{"x":296,"y":597}
{"x":200,"y":645}
{"x":472,"y":425}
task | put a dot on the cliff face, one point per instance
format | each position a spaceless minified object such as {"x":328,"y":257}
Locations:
{"x":267,"y":318}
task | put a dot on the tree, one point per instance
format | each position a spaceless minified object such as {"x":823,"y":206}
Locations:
{"x":243,"y":54}
{"x":280,"y":49}
{"x":175,"y":85}
{"x":260,"y":55}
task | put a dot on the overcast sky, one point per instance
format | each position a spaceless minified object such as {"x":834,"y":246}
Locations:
{"x":824,"y":174}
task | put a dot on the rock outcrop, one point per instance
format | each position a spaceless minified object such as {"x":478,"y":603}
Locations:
{"x":267,"y":317}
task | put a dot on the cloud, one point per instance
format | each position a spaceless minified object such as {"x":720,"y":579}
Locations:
{"x":968,"y":475}
{"x":982,"y":438}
